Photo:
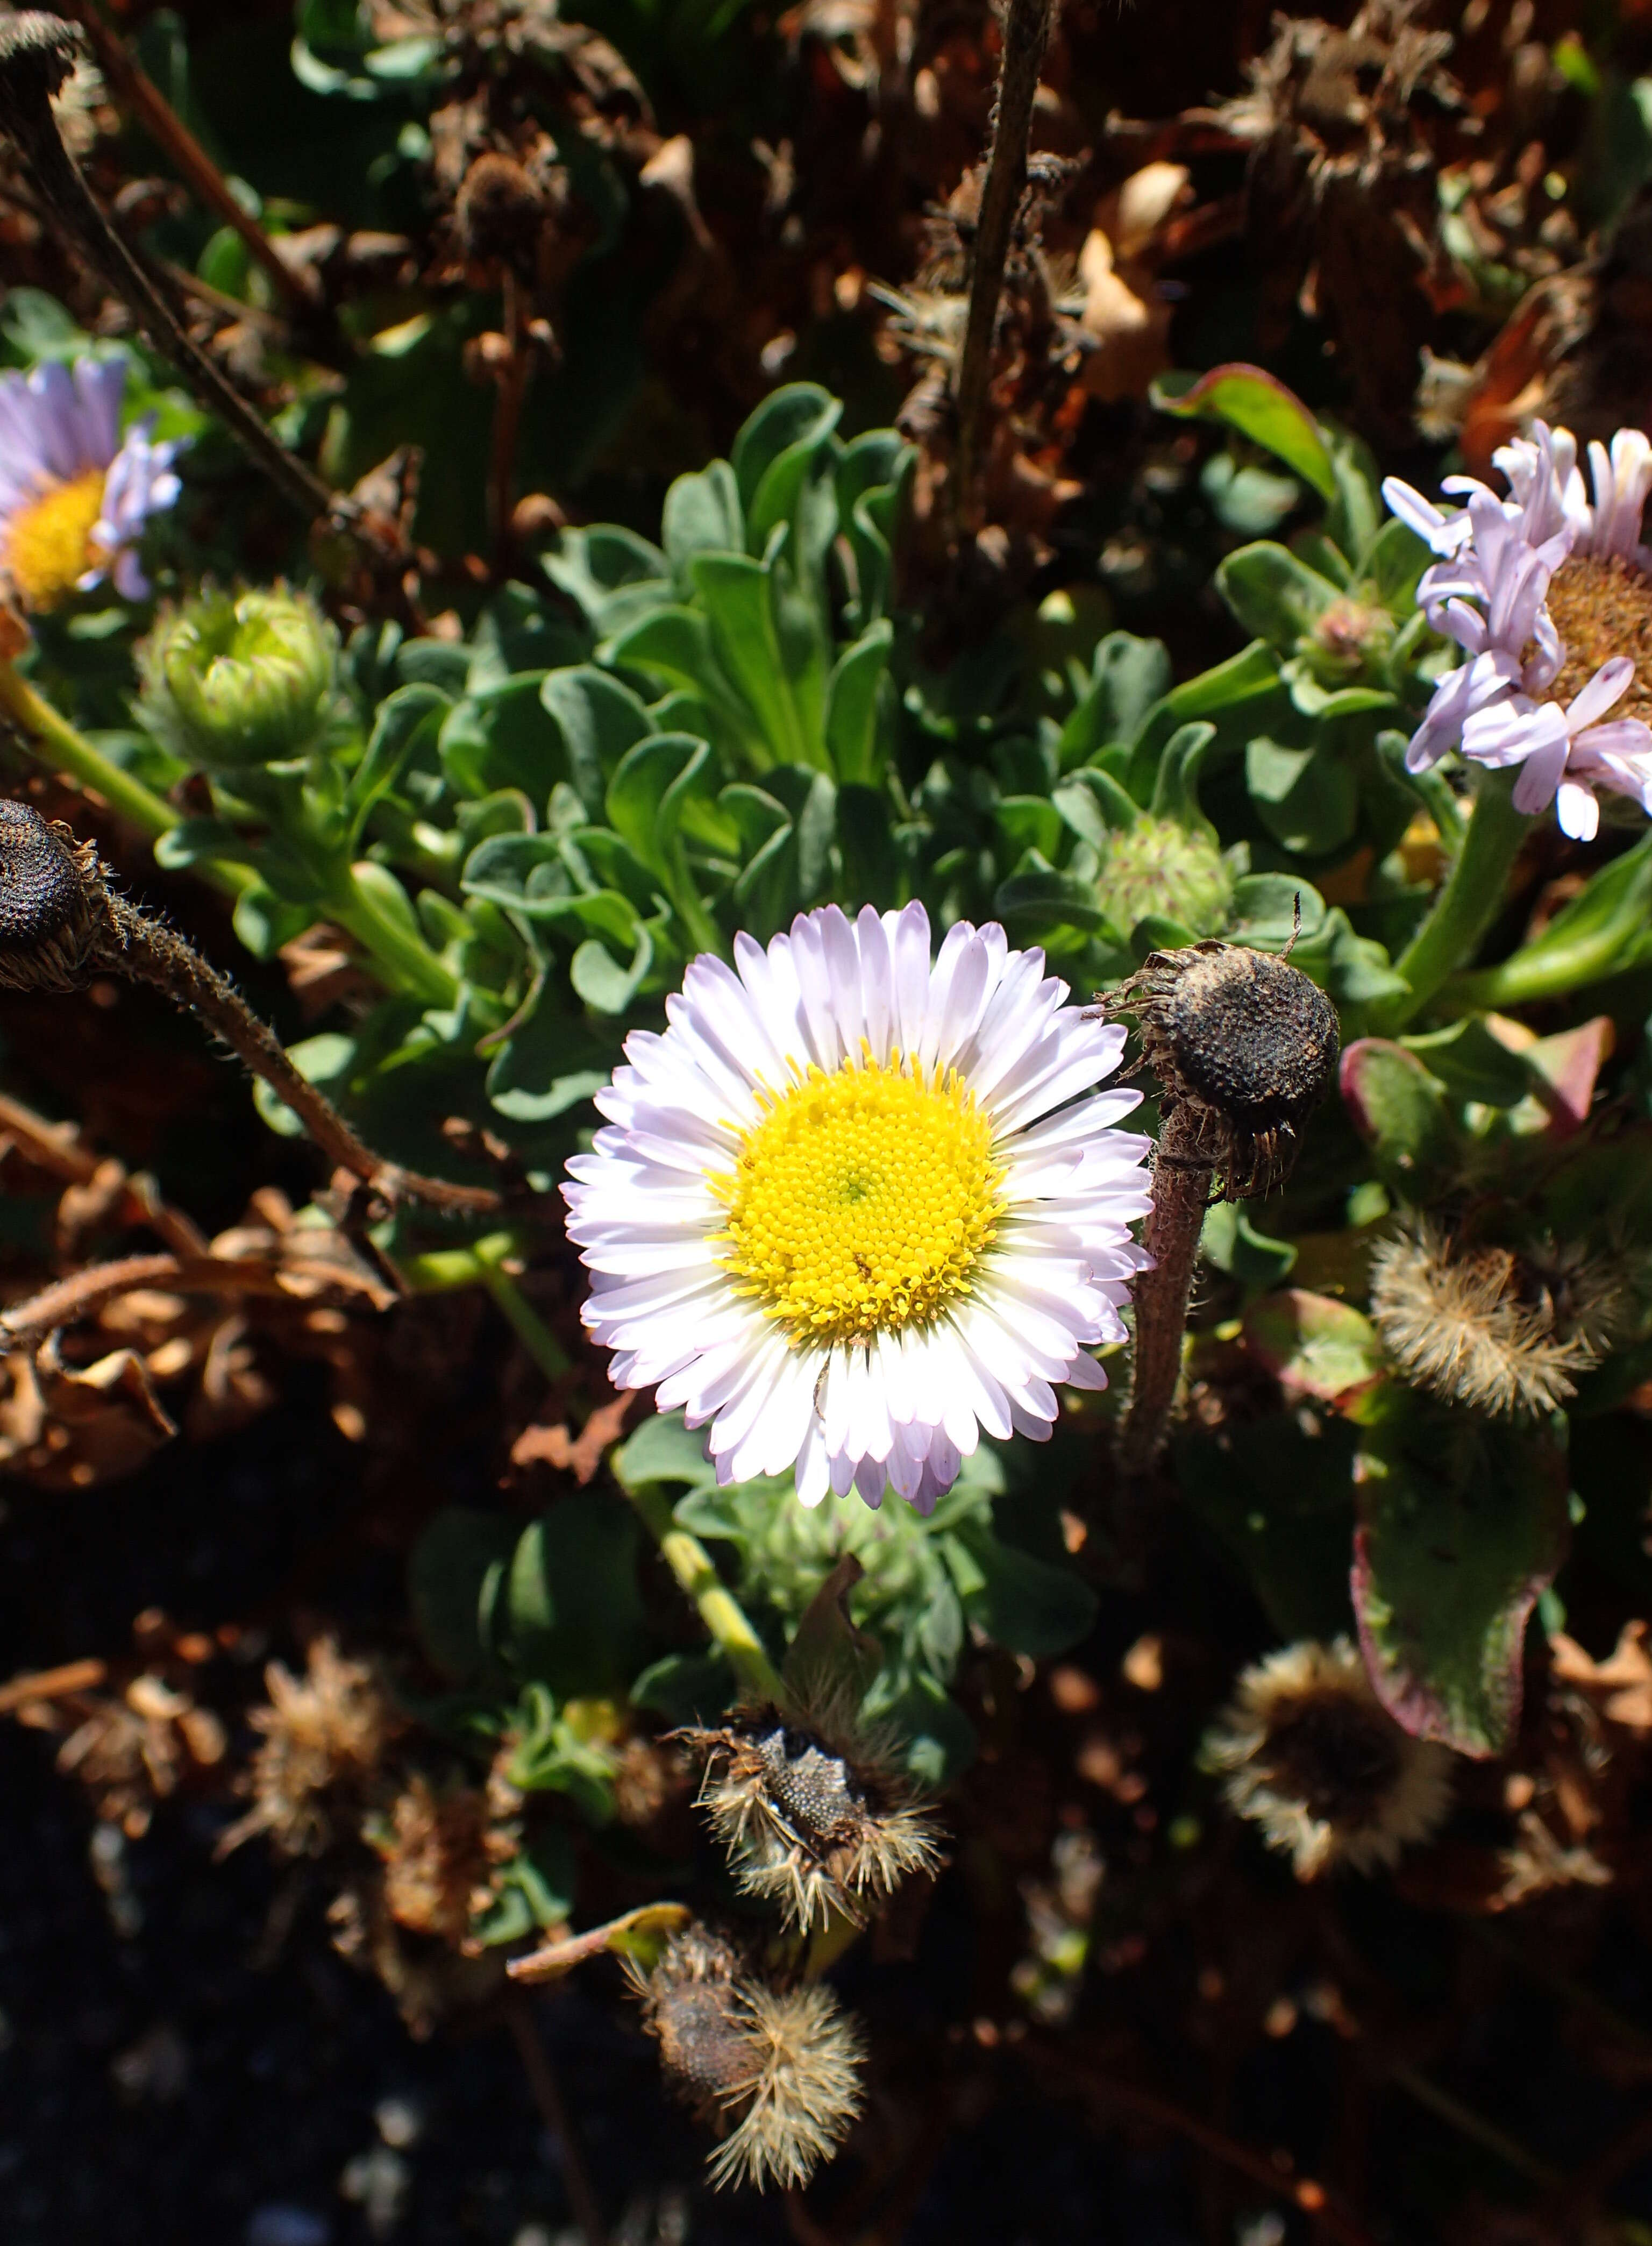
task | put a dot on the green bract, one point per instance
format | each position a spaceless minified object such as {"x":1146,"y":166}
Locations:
{"x":238,"y":679}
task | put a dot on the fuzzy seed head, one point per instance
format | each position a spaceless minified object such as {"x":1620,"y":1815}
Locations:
{"x":1246,"y":1042}
{"x":814,"y":1821}
{"x":52,"y":907}
{"x":499,"y":212}
{"x":778,"y":2070}
{"x":1499,"y":1329}
{"x":1308,"y":1750}
{"x":324,"y":1735}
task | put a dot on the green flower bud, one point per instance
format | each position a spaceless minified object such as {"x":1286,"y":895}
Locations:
{"x":1350,"y":636}
{"x":1158,"y":867}
{"x":235,"y":679}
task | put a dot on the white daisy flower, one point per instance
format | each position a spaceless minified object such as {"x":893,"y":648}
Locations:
{"x":1549,"y":595}
{"x":74,"y":494}
{"x":851,"y":1208}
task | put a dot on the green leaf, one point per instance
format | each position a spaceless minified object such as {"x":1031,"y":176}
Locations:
{"x":851,"y":700}
{"x":1280,"y":1498}
{"x":192,"y":839}
{"x":605,"y":983}
{"x":702,"y":515}
{"x":738,"y":595}
{"x":599,"y":718}
{"x":406,"y":717}
{"x":1463,"y":1522}
{"x":798,"y":413}
{"x":662,"y":1449}
{"x":1127,"y":676}
{"x":1473,"y":1065}
{"x":1307,"y":798}
{"x":1604,"y":930}
{"x":615,"y":576}
{"x":1399,"y":1109}
{"x":1265,"y":911}
{"x":1259,"y":407}
{"x":1176,"y":782}
{"x":1314,"y":1345}
{"x":452,"y":1573}
{"x":571,"y":1613}
{"x":686,"y":1688}
{"x":1230,"y":1242}
{"x":1027,"y":1604}
{"x":1274,"y":596}
{"x":500,"y":737}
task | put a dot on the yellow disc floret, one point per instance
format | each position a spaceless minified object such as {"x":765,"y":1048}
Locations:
{"x":50,"y":546}
{"x":861,"y":1202}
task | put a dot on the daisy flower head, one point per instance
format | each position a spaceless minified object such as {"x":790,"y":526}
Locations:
{"x":857,"y":1204}
{"x":74,"y":493}
{"x":1548,"y":593}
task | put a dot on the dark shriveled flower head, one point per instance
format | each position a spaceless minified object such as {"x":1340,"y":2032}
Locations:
{"x":1244,"y":1044}
{"x":53,"y":911}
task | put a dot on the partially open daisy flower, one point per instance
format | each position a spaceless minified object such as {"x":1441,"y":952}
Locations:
{"x":851,"y":1208}
{"x":74,"y":494}
{"x":1549,"y":595}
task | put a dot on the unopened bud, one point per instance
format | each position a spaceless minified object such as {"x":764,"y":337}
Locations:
{"x":1158,"y":867}
{"x":236,"y":679}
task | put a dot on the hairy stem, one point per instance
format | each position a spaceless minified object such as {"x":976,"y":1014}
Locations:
{"x":1026,"y":34}
{"x":151,"y":953}
{"x":1181,"y":1191}
{"x":1468,"y":903}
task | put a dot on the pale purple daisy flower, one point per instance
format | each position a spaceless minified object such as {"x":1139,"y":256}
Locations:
{"x":1543,"y":477}
{"x":856,"y":1206}
{"x":1528,"y":693}
{"x":1565,"y":752}
{"x":74,"y":494}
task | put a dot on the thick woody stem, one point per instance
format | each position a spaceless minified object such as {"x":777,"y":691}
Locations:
{"x":151,"y":953}
{"x":36,"y":53}
{"x":1026,"y":34}
{"x":1181,"y":1192}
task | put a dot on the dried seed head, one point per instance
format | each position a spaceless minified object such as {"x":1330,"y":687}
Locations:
{"x":1308,"y":1752}
{"x":813,"y":1817}
{"x":499,"y":212}
{"x":1497,"y":1328}
{"x":781,"y":2066}
{"x":323,"y":1734}
{"x":1245,"y":1044}
{"x":53,"y":913}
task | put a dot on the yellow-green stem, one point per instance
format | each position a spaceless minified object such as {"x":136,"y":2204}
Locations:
{"x":408,"y":962}
{"x":724,"y":1618}
{"x":482,"y":1264}
{"x":48,"y":735}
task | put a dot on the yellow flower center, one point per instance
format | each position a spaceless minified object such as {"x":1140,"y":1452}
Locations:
{"x":861,"y":1202}
{"x":1603,"y":608}
{"x":50,"y":546}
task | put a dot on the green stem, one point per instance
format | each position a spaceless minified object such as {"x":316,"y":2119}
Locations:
{"x":722,"y":1613}
{"x":408,"y":962}
{"x":1469,"y":902}
{"x":49,"y":736}
{"x":1600,"y":934}
{"x":482,"y":1264}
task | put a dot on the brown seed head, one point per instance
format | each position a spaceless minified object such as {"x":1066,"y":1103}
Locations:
{"x":53,"y":912}
{"x":1243,"y":1040}
{"x":499,"y":212}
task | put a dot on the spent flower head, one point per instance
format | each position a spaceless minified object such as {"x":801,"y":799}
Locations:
{"x":779,"y":2069}
{"x":1306,"y":1750}
{"x":231,"y":680}
{"x":851,"y":1207}
{"x":1548,"y":594}
{"x":74,"y":493}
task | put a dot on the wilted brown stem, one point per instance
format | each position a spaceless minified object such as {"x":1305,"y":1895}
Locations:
{"x":36,"y":54}
{"x":78,"y":1296}
{"x":151,"y":953}
{"x":1181,"y":1191}
{"x":52,"y":1683}
{"x":139,"y":94}
{"x":1026,"y":34}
